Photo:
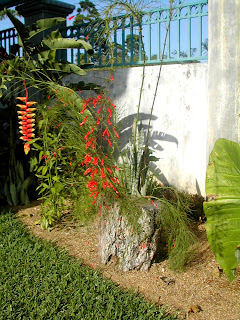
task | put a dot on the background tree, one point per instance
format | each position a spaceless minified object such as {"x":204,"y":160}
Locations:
{"x":93,"y":27}
{"x":135,"y":46}
{"x":87,"y":13}
{"x":4,"y":16}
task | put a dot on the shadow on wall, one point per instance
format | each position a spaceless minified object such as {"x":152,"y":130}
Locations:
{"x":154,"y":142}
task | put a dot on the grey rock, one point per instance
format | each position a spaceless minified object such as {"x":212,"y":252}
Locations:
{"x":118,"y":239}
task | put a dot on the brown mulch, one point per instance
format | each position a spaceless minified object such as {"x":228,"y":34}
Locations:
{"x":201,"y":284}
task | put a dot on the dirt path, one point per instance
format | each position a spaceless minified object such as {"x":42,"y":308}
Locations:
{"x":201,"y":284}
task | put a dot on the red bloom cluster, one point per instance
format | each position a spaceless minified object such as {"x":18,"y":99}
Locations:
{"x":26,"y":121}
{"x":101,"y":105}
{"x":97,"y":167}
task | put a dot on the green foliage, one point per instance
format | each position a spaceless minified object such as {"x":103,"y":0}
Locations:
{"x":40,"y":281}
{"x":173,"y":218}
{"x":58,"y":153}
{"x":4,"y":16}
{"x":87,"y":13}
{"x":223,"y":206}
{"x":136,"y":160}
{"x":39,"y":72}
{"x":15,"y":180}
{"x":16,"y":186}
{"x":45,"y":75}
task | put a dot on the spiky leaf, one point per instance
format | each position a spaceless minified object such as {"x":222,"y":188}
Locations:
{"x":13,"y":192}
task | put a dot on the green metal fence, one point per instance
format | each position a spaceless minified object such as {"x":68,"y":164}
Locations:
{"x":8,"y":38}
{"x":130,"y":40}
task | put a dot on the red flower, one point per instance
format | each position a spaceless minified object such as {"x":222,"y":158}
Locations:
{"x":96,"y":195}
{"x":83,"y":110}
{"x":87,"y":158}
{"x":103,"y":174}
{"x":109,"y":170}
{"x":104,"y":185}
{"x":110,"y":112}
{"x":86,"y":37}
{"x":106,"y":132}
{"x":92,"y":185}
{"x":109,"y":142}
{"x":70,"y":18}
{"x":98,"y":122}
{"x":95,"y":161}
{"x":111,"y":78}
{"x":116,"y":134}
{"x":94,"y":173}
{"x":82,"y":123}
{"x":86,"y":136}
{"x":88,"y":143}
{"x":95,"y":102}
{"x":87,"y":171}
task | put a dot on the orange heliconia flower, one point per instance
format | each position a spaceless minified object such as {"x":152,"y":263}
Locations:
{"x":26,"y":120}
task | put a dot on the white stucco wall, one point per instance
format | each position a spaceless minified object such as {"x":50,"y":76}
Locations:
{"x":178,"y":132}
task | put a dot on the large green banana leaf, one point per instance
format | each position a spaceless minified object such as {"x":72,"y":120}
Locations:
{"x":44,"y":24}
{"x":223,"y":206}
{"x":27,"y":32}
{"x":63,"y":43}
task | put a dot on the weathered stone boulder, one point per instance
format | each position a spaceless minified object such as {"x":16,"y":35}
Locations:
{"x":134,"y":250}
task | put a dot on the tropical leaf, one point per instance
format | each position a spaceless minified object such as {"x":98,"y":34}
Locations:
{"x":62,"y":43}
{"x":44,"y":24}
{"x":66,"y":68}
{"x":223,"y":206}
{"x":23,"y":33}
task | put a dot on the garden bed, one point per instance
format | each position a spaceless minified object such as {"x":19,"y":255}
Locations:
{"x":202,"y":283}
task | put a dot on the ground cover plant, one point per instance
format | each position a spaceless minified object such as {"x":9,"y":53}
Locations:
{"x":40,"y":281}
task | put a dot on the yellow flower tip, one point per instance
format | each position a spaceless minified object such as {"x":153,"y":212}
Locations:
{"x":24,"y":99}
{"x":30,"y":103}
{"x":26,"y":148}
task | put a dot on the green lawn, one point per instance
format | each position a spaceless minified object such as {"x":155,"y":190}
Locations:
{"x":39,"y":281}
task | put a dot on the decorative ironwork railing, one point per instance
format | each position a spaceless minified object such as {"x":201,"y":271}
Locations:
{"x":187,"y":39}
{"x":129,"y":40}
{"x":8,"y":38}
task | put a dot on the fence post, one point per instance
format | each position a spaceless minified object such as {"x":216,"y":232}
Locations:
{"x":223,"y":71}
